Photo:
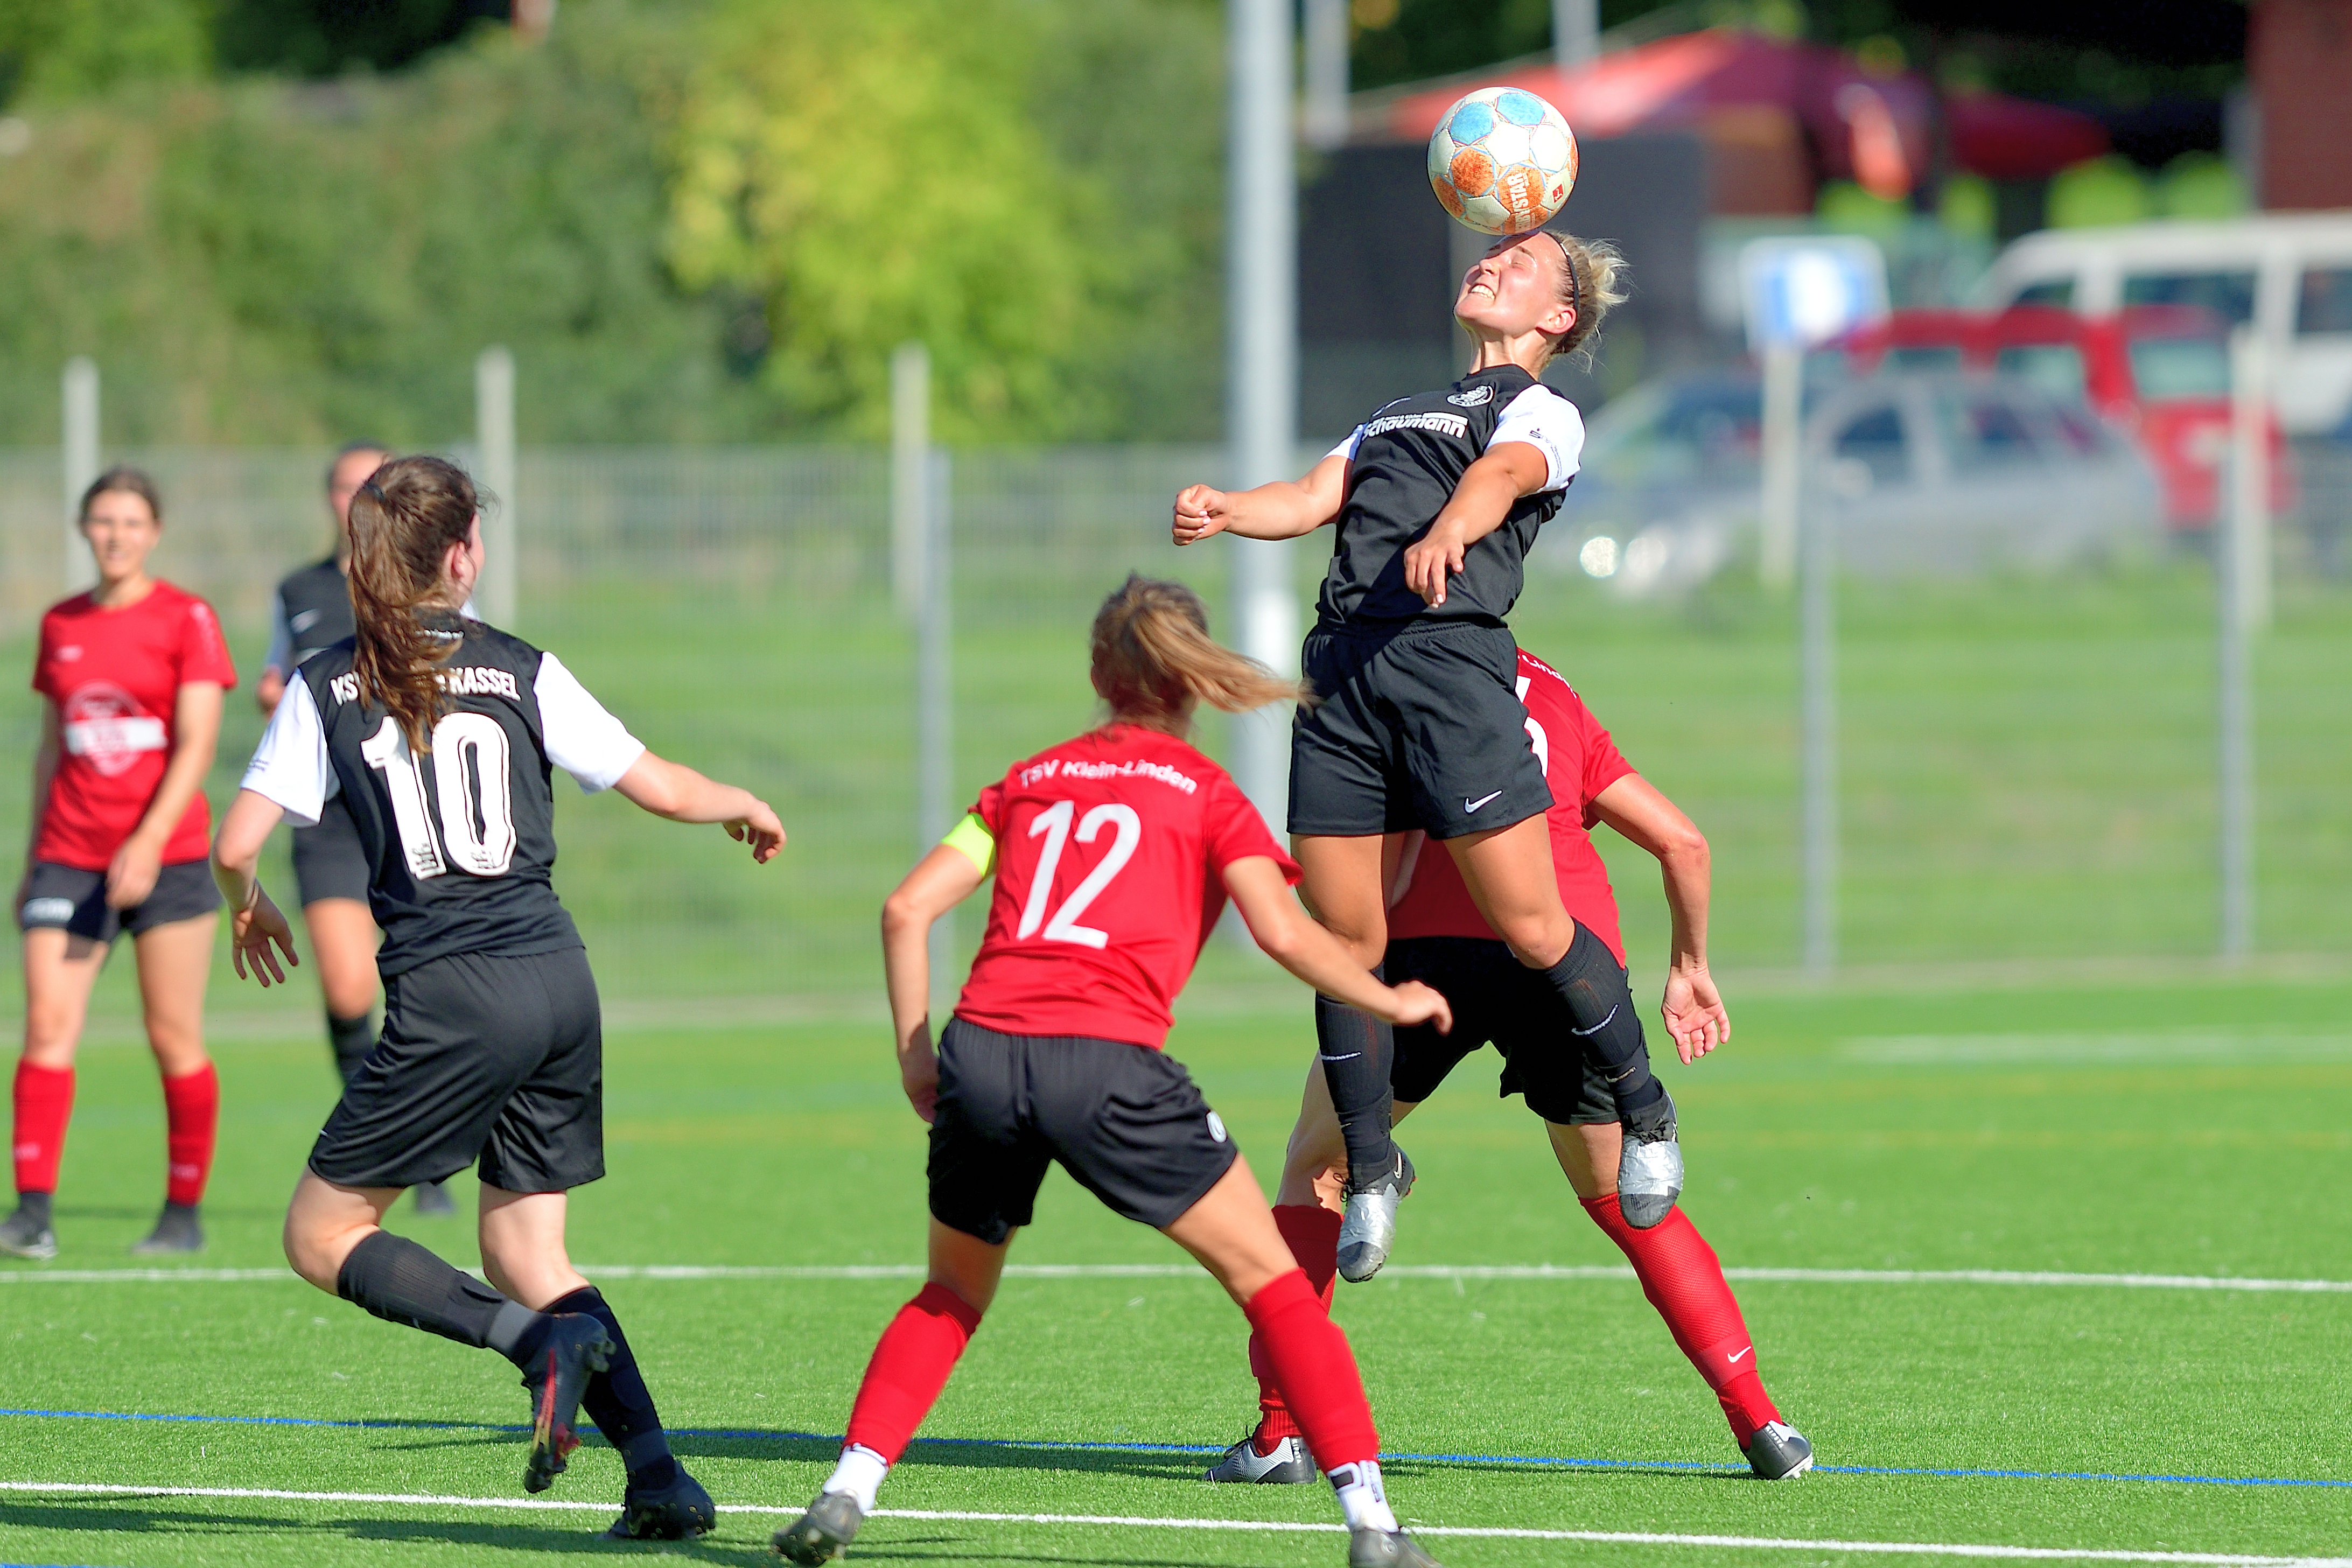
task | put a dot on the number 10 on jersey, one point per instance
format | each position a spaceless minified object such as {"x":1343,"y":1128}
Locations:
{"x":474,"y":789}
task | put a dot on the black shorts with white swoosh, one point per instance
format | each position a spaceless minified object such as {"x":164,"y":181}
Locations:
{"x":1417,"y":726}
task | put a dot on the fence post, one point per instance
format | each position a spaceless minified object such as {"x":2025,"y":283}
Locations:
{"x":79,"y":451}
{"x":2241,"y":563}
{"x":1262,"y":359}
{"x":495,"y":596}
{"x":910,"y":443}
{"x":935,"y":699}
{"x":1817,"y":661}
{"x":1784,"y":378}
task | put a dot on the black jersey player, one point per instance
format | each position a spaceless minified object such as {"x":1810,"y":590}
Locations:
{"x":312,"y":613}
{"x":1437,"y":498}
{"x":442,"y":735}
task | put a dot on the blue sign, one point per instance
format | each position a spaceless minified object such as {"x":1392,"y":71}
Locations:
{"x":1803,"y":291}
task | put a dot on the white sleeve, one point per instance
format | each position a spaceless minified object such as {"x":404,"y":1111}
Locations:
{"x":582,"y":739}
{"x":280,"y":657}
{"x":290,"y":765}
{"x":1347,"y":448}
{"x":1550,"y":424}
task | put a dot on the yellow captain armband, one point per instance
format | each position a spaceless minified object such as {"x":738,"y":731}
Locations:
{"x":972,"y":839}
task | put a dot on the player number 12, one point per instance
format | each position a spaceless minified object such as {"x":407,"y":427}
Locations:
{"x":1055,"y":822}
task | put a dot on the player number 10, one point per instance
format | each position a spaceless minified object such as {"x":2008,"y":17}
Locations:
{"x":463,"y":744}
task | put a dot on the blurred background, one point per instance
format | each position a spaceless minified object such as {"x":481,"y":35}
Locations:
{"x":2114,"y":346}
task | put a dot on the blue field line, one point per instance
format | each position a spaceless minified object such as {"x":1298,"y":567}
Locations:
{"x":1529,"y":1461}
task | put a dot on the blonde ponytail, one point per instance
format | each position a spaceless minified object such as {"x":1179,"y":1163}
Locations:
{"x":1592,"y":279}
{"x":1153,"y":659}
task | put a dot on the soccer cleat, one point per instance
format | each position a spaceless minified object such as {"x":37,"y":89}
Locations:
{"x":24,"y":1236}
{"x":1287,"y":1466}
{"x":576,"y":1347}
{"x":1779,"y":1452}
{"x":1369,"y":1228}
{"x":1650,"y":1169}
{"x":679,"y":1511}
{"x":824,"y":1533}
{"x":177,"y":1231}
{"x":433,"y":1201}
{"x":1387,"y":1549}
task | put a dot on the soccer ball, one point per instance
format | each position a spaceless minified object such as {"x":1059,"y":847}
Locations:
{"x":1502,"y":161}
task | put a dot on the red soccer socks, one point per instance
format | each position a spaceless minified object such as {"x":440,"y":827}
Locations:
{"x":192,"y":1118}
{"x":44,"y":1105}
{"x":1313,"y":1233}
{"x":910,"y":1366}
{"x":1314,"y":1370}
{"x":1684,"y":1281}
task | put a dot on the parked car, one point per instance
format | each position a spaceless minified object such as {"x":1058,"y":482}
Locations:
{"x":1924,"y":473}
{"x":2159,"y":373}
{"x":2288,"y":274}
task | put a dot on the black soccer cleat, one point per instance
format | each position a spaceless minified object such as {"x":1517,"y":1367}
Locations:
{"x":577,"y":1347}
{"x":679,"y":1511}
{"x":824,"y":1531}
{"x":1387,"y":1549}
{"x":1288,"y":1466}
{"x":27,"y":1234}
{"x":1368,"y":1229}
{"x":1779,"y":1452}
{"x":178,"y":1232}
{"x":1650,"y":1168}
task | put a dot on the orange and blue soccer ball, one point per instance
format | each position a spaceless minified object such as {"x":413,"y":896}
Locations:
{"x":1502,"y":161}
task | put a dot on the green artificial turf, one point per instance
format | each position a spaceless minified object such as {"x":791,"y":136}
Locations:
{"x":2163,"y":1128}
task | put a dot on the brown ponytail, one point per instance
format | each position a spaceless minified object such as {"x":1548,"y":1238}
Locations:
{"x":404,"y":519}
{"x":1153,"y":659}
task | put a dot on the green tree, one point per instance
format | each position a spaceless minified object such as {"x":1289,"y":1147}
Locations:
{"x":53,"y":50}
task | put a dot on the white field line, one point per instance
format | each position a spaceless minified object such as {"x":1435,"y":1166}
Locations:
{"x":1141,"y":1521}
{"x":1535,"y":1271}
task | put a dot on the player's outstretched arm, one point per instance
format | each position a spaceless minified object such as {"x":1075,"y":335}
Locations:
{"x":1489,"y":486}
{"x":257,"y":932}
{"x":676,"y":791}
{"x":1692,"y":1008}
{"x":1292,"y":939}
{"x":940,"y":881}
{"x":1278,"y":510}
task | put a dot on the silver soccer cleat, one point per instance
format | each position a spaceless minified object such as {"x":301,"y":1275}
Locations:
{"x":1288,"y":1465}
{"x":1650,"y":1173}
{"x":26,"y":1235}
{"x":1387,"y":1549}
{"x":1779,"y":1452}
{"x":824,"y":1533}
{"x":1369,"y":1228}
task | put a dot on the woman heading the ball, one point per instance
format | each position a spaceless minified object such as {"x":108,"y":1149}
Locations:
{"x":1436,"y":500}
{"x":1113,"y":853}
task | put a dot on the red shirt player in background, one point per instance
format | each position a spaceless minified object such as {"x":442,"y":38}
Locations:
{"x":1435,"y":935}
{"x":133,"y":672}
{"x":1113,"y":854}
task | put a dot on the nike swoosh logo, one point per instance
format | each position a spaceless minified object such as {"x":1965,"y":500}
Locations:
{"x":1735,"y":1359}
{"x":1596,"y":1029}
{"x":1469,"y":805}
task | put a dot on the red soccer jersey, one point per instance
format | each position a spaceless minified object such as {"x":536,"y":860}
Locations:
{"x":115,"y":676}
{"x":1110,"y":854}
{"x":1579,"y":761}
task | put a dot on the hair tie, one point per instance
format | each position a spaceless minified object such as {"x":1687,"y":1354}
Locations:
{"x":368,"y":487}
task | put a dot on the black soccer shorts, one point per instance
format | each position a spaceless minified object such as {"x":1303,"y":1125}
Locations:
{"x":329,"y":861}
{"x":1124,"y":1119}
{"x":1417,"y":727}
{"x":1499,"y":1000}
{"x":499,"y":1058}
{"x":68,"y":898}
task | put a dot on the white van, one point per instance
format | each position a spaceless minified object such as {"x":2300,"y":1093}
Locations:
{"x":2289,"y":274}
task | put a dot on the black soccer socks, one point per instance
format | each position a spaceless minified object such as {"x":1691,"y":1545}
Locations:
{"x":353,"y":1038}
{"x":1602,"y":1020}
{"x":404,"y":1283}
{"x":618,"y":1401}
{"x":1358,"y":1052}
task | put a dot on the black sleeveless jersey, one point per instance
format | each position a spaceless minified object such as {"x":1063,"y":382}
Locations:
{"x":1408,"y":459}
{"x":460,"y":842}
{"x":314,"y":609}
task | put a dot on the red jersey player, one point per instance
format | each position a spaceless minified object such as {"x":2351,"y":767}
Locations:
{"x":1435,"y":935}
{"x":132,"y":672}
{"x":1113,"y":854}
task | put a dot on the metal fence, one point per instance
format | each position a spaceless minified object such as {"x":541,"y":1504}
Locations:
{"x":2027,"y":763}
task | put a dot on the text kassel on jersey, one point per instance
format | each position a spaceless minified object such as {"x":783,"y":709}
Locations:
{"x":465,"y":680}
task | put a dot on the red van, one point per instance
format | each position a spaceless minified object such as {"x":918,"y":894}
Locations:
{"x":2158,"y":372}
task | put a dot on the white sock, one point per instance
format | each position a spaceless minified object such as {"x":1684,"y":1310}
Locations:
{"x":860,"y":1474}
{"x":1362,"y":1497}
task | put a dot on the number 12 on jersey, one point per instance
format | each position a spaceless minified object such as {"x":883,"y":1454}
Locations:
{"x":1053,"y":822}
{"x":475,"y":787}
